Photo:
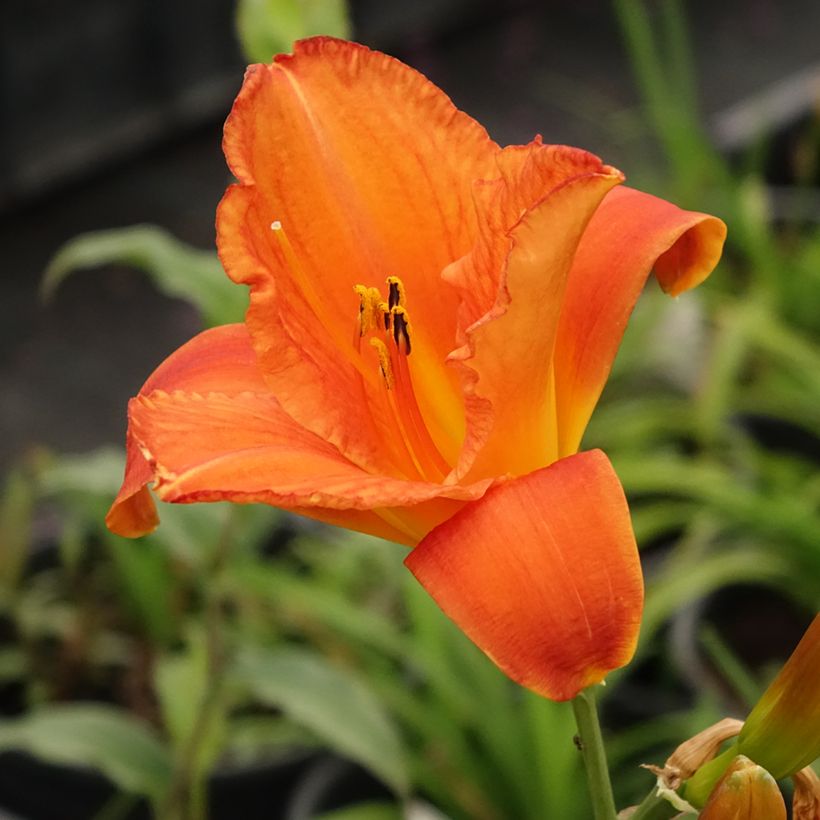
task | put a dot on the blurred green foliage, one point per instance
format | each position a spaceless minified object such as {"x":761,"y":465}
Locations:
{"x":268,"y":27}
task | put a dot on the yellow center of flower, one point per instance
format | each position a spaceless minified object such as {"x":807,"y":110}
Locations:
{"x":387,"y":323}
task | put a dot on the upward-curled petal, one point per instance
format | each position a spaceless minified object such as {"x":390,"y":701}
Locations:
{"x":543,"y":575}
{"x":218,"y":359}
{"x":630,"y":233}
{"x":368,"y":167}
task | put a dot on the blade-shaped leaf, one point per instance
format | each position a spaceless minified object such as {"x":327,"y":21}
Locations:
{"x":176,"y":268}
{"x":330,"y":702}
{"x":94,"y":736}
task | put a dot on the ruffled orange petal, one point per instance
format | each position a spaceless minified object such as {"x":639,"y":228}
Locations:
{"x":368,"y":167}
{"x":246,"y":449}
{"x":543,"y":575}
{"x":218,"y":359}
{"x":629,"y":234}
{"x":533,"y":218}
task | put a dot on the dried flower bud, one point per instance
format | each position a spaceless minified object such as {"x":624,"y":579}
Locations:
{"x":696,"y":751}
{"x":806,"y":802}
{"x":693,"y":753}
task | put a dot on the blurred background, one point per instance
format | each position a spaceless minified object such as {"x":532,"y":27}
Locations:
{"x":111,"y":117}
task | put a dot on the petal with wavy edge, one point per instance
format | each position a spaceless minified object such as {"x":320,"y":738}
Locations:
{"x":509,"y":348}
{"x":543,"y":574}
{"x":629,"y":234}
{"x":246,"y":449}
{"x":218,"y":359}
{"x":368,"y":167}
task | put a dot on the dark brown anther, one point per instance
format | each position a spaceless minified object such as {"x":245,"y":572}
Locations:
{"x":394,"y":293}
{"x":401,"y":330}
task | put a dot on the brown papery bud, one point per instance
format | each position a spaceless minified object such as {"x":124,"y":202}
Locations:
{"x":693,"y":753}
{"x":806,"y":802}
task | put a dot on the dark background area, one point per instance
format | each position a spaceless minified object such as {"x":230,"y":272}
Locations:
{"x":111,"y":115}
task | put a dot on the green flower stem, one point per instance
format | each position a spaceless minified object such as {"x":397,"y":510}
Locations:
{"x":592,"y":747}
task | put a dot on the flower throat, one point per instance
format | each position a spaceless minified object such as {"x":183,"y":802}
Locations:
{"x":385,"y":323}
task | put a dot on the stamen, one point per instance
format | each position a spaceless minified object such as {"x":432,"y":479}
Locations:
{"x":317,"y":305}
{"x":384,"y":362}
{"x":370,"y":301}
{"x":385,"y":310}
{"x":401,"y":398}
{"x":395,"y":295}
{"x":401,"y":329}
{"x":422,"y":442}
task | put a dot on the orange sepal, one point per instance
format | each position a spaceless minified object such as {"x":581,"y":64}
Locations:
{"x":218,"y":359}
{"x":629,"y":234}
{"x":543,"y":575}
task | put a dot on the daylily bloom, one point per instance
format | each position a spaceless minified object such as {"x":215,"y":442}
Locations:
{"x":432,"y":319}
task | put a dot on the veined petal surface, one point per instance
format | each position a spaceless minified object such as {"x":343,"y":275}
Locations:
{"x":532,"y":216}
{"x":245,"y":448}
{"x":218,"y":359}
{"x":629,"y":234}
{"x":369,"y":169}
{"x":542,"y":574}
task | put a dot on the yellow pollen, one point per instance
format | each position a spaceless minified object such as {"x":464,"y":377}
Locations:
{"x":392,"y":351}
{"x":370,"y":315}
{"x":317,"y":305}
{"x":384,"y":362}
{"x":395,"y":292}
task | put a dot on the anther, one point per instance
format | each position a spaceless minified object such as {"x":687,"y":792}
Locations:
{"x":396,"y":295}
{"x":370,"y":308}
{"x":384,"y":362}
{"x":401,"y":329}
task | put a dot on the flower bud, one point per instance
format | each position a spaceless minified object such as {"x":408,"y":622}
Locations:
{"x":745,"y":792}
{"x":782,"y":733}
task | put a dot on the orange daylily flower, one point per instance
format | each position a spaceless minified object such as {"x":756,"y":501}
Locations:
{"x":432,"y":319}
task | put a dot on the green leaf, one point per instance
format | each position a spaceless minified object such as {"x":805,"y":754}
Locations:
{"x":16,"y":509}
{"x":268,"y":27}
{"x":365,"y":811}
{"x":98,"y":472}
{"x":188,"y":696}
{"x":177,"y":269}
{"x":148,"y":584}
{"x":330,"y":702}
{"x":94,"y":736}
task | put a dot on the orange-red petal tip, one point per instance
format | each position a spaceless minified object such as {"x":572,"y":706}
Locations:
{"x":543,"y":575}
{"x":134,"y":515}
{"x":693,"y":256}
